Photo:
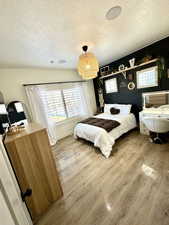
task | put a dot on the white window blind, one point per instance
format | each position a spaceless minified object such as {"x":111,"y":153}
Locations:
{"x":147,"y":78}
{"x":73,"y":101}
{"x":111,"y":85}
{"x":63,"y":103}
{"x":53,"y":103}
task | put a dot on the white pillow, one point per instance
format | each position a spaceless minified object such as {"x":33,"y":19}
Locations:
{"x":107,"y":107}
{"x":124,"y":109}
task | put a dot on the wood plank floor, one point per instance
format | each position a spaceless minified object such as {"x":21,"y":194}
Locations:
{"x":129,"y":188}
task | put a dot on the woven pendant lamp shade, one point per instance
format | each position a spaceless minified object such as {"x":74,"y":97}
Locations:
{"x":88,"y":66}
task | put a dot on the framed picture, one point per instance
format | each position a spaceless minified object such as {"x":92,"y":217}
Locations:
{"x":104,"y":70}
{"x":111,"y":85}
{"x":130,"y":77}
{"x":131,"y":86}
{"x":147,"y":78}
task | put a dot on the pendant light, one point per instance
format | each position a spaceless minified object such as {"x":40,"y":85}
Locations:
{"x":88,"y":65}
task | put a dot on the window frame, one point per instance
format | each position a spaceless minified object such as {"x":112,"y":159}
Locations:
{"x":115,"y":89}
{"x":145,"y":70}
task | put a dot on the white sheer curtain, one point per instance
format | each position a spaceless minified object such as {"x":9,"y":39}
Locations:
{"x":77,"y":104}
{"x":87,"y":99}
{"x":38,"y":113}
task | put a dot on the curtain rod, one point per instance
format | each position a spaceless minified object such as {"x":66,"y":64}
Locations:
{"x":62,"y":82}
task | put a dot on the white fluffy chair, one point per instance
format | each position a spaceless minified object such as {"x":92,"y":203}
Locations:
{"x":157,"y":125}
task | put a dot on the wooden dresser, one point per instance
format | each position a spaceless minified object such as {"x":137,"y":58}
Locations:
{"x":31,"y":157}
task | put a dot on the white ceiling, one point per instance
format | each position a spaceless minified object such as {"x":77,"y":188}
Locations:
{"x":34,"y":32}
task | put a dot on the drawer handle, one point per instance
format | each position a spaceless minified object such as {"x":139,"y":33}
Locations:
{"x":25,"y":194}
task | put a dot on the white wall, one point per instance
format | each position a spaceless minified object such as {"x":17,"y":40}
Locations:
{"x":4,"y":212}
{"x":11,"y":81}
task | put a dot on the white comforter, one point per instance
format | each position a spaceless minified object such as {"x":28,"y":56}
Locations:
{"x":100,"y":137}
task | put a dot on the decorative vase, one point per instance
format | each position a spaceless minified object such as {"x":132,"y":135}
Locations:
{"x":132,"y":62}
{"x":121,"y":67}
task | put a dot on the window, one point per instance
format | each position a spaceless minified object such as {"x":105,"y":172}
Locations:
{"x":147,"y":78}
{"x":61,"y":104}
{"x":111,"y":85}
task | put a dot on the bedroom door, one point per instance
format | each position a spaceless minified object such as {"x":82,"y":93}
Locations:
{"x":12,"y":208}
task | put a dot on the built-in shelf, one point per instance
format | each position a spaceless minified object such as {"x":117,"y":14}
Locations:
{"x":130,"y":68}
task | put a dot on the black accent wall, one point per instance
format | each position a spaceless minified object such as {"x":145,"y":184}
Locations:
{"x":160,"y":50}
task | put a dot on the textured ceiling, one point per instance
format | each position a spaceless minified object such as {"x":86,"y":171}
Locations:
{"x":34,"y":32}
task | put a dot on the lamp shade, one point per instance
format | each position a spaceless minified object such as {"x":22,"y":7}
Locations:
{"x":88,"y":66}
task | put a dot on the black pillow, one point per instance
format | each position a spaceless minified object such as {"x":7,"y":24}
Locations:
{"x":114,"y":111}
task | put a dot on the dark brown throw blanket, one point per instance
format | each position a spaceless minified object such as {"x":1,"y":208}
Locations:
{"x":108,"y":125}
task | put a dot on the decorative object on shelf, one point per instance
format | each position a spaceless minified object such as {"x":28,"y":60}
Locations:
{"x":131,"y":85}
{"x":121,"y":67}
{"x":104,"y":70}
{"x":132,"y":68}
{"x":130,"y":77}
{"x":147,"y":58}
{"x":132,"y":62}
{"x":15,"y":129}
{"x":124,"y":74}
{"x":123,"y":84}
{"x":88,"y":65}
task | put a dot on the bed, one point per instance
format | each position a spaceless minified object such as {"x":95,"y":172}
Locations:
{"x":100,"y":137}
